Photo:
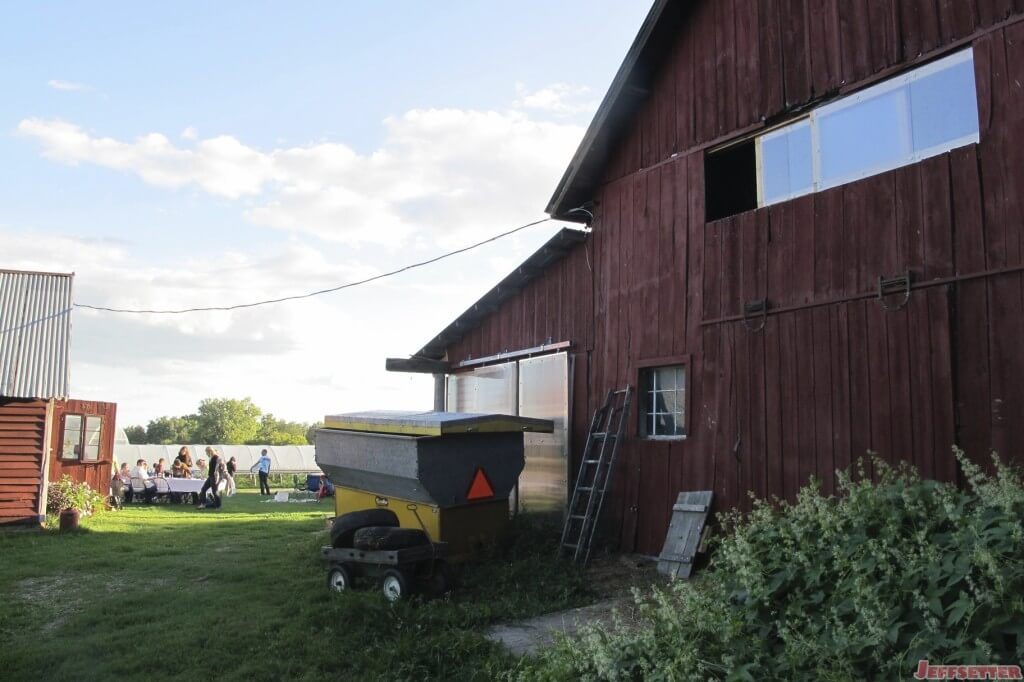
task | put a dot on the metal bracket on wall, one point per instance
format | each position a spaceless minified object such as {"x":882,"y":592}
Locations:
{"x":899,"y":285}
{"x":755,"y":312}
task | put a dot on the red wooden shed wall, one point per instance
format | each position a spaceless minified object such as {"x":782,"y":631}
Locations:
{"x":22,"y":436}
{"x":832,"y":374}
{"x":97,"y":474}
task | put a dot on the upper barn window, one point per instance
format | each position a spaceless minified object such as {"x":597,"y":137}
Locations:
{"x":919,"y":114}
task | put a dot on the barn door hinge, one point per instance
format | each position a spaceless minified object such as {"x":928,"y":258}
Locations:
{"x":893,"y":286}
{"x":755,"y":314}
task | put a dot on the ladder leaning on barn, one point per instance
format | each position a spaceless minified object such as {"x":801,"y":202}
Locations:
{"x":594,"y":475}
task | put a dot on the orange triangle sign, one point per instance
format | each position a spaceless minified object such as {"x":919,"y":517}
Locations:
{"x":480,"y":488}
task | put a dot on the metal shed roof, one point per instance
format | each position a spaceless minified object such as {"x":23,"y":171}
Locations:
{"x":35,"y":334}
{"x":553,"y":250}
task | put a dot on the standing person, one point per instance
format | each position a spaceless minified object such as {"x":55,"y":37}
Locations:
{"x":263,"y":464}
{"x":232,"y":467}
{"x":212,"y":480}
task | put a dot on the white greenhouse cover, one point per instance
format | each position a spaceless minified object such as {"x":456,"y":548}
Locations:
{"x":285,"y":459}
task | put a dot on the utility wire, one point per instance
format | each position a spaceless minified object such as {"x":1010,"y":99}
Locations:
{"x":321,"y":292}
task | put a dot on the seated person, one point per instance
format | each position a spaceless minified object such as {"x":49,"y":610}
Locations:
{"x":326,"y":488}
{"x":199,"y":471}
{"x":160,"y":468}
{"x":182,"y":467}
{"x":124,"y":476}
{"x":140,"y":472}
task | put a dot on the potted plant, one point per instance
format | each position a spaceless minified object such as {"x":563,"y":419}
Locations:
{"x":71,"y":501}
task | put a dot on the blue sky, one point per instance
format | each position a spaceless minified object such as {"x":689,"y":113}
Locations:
{"x":191,"y":153}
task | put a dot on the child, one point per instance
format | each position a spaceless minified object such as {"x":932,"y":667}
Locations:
{"x":232,"y":467}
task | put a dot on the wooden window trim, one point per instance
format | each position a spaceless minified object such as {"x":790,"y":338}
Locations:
{"x":80,"y":459}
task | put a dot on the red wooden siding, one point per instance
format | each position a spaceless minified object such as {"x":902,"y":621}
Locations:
{"x":22,"y":431}
{"x":741,"y":62}
{"x":97,"y":474}
{"x":832,"y":374}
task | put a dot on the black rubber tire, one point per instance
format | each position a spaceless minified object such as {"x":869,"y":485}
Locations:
{"x":345,"y":526}
{"x":385,"y":537}
{"x":339,"y":578}
{"x":440,"y":581}
{"x":395,"y":585}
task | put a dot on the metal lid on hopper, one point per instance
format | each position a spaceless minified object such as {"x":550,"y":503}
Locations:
{"x":435,"y":423}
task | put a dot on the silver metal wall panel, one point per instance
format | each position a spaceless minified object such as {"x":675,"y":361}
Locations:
{"x":544,"y":393}
{"x":35,"y":334}
{"x":487,"y":390}
{"x":535,"y":387}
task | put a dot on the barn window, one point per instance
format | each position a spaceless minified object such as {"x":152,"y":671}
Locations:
{"x":922,"y":113}
{"x":81,"y":437}
{"x":663,"y":401}
{"x":730,"y":180}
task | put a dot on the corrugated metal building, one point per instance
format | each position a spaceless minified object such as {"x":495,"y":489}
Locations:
{"x":806,"y":244}
{"x":43,"y":434}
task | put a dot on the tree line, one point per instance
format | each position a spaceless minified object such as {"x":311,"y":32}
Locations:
{"x":224,"y":420}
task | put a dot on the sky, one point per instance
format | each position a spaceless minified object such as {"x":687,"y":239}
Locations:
{"x":189,"y":154}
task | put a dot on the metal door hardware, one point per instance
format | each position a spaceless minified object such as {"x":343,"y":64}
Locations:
{"x":894,"y":286}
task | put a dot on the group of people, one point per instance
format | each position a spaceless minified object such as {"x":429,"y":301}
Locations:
{"x":214,"y":469}
{"x":219,"y":470}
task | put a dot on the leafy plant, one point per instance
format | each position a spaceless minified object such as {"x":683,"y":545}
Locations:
{"x":850,"y":588}
{"x":68,"y":494}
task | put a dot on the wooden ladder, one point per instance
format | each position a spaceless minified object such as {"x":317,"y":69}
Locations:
{"x":606,"y":432}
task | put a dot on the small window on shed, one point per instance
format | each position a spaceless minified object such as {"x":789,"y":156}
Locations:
{"x":663,"y":402}
{"x":71,"y":443}
{"x":730,"y":180}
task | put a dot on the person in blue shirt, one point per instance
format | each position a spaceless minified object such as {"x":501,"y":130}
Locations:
{"x":263,"y":464}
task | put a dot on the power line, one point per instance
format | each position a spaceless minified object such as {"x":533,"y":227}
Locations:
{"x":321,"y":292}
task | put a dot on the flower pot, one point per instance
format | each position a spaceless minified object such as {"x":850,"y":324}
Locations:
{"x":69,"y":519}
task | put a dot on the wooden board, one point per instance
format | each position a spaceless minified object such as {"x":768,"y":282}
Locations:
{"x":689,"y":516}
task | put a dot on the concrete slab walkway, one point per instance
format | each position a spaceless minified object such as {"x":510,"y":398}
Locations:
{"x":531,"y":635}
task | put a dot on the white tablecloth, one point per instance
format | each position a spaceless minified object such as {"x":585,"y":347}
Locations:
{"x":184,"y":485}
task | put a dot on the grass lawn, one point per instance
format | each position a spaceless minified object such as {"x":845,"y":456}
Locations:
{"x":171,"y":592}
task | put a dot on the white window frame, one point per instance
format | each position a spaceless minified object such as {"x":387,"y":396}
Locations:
{"x":897,"y":83}
{"x":681,"y":394}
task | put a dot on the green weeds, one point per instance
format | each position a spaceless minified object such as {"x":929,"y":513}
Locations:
{"x":855,"y":588}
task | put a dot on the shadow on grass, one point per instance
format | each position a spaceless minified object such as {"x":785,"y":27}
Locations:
{"x":251,"y":585}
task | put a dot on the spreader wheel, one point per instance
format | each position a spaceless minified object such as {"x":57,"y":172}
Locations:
{"x":395,"y":585}
{"x":339,"y":578}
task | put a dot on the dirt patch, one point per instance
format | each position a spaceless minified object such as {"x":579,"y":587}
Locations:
{"x":615,"y":575}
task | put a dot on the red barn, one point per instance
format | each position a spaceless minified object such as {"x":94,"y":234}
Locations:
{"x":806,"y":243}
{"x":44,"y":435}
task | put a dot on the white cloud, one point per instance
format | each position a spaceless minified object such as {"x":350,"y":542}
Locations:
{"x":444,"y":172}
{"x":67,"y":86}
{"x":558,"y":98}
{"x":299,"y":360}
{"x":189,"y":133}
{"x":440,"y":178}
{"x":290,"y":358}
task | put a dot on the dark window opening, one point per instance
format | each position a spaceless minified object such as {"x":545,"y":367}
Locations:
{"x":730,"y":180}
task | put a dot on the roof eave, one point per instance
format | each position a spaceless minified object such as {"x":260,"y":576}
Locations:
{"x":553,"y":250}
{"x":629,"y":87}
